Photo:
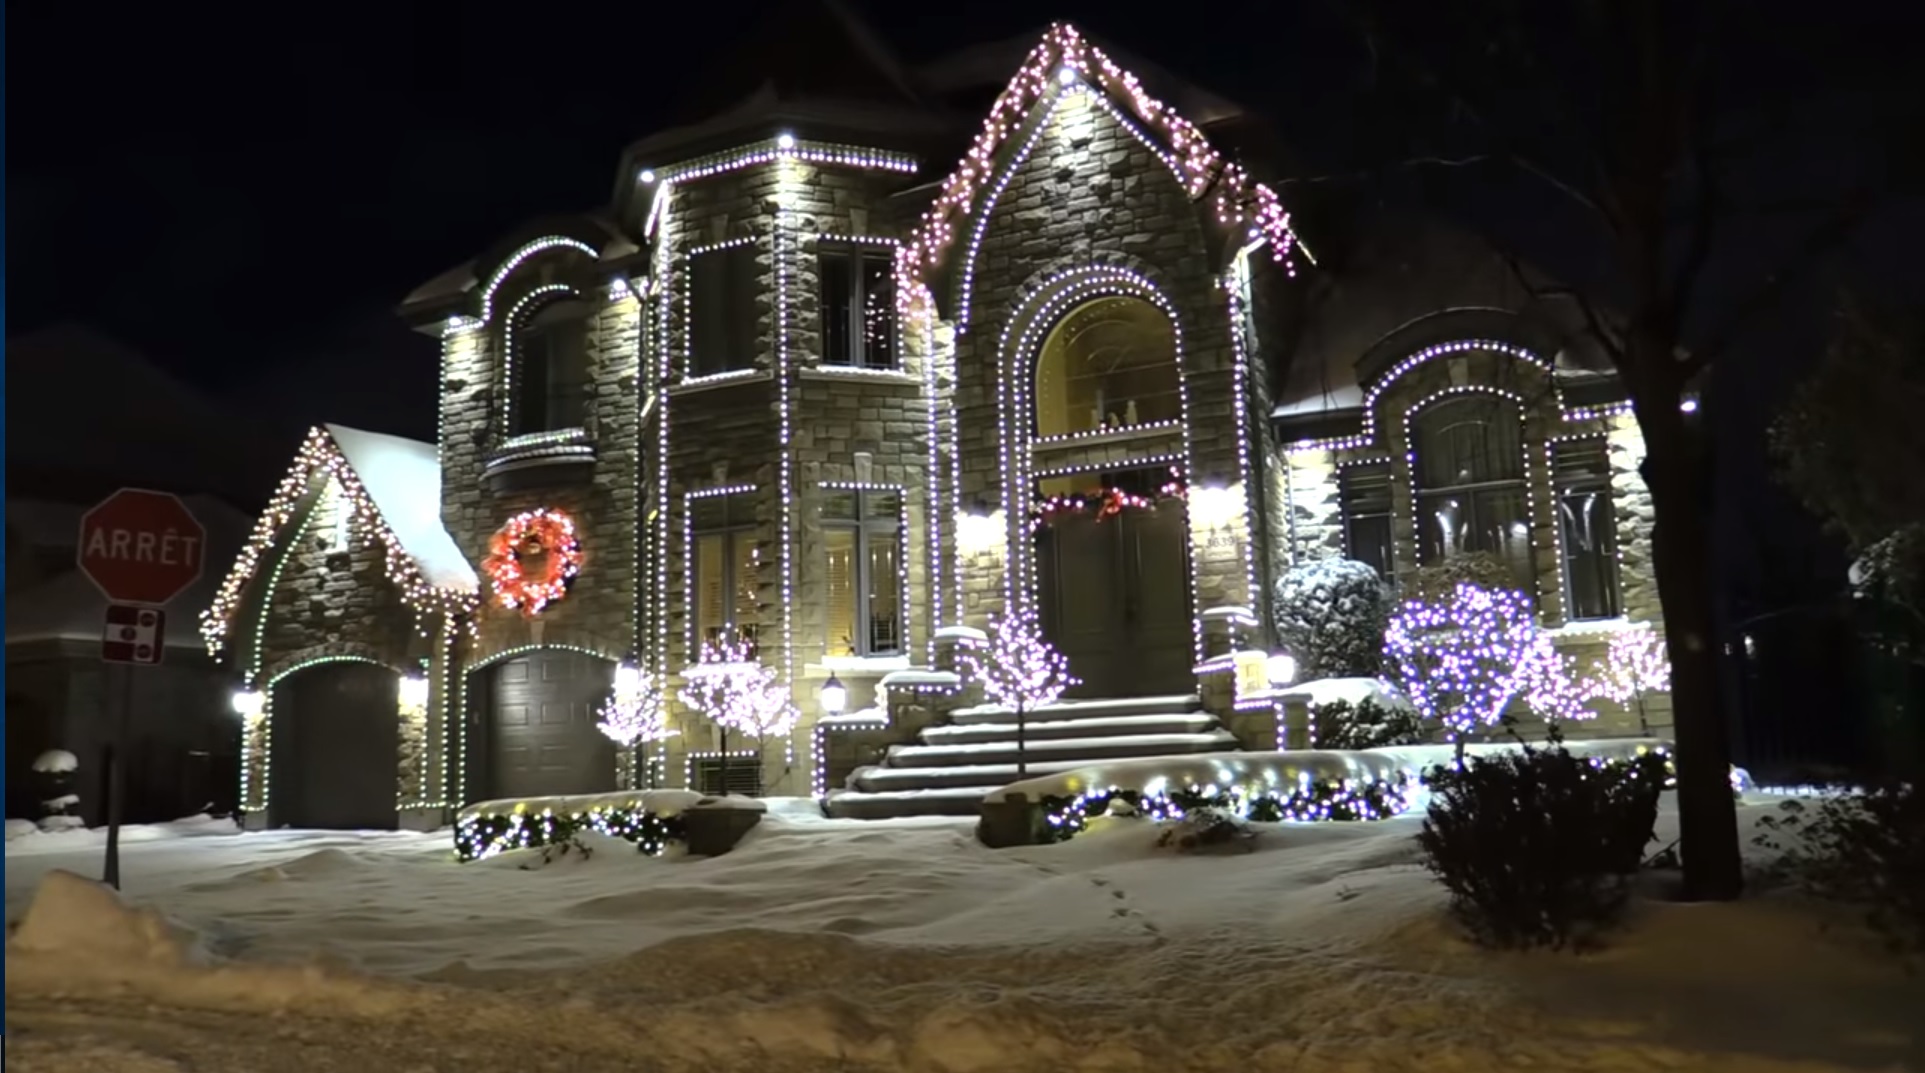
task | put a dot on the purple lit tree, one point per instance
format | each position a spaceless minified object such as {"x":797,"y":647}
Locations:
{"x":1457,"y":659}
{"x":635,"y":714}
{"x":1018,"y":669}
{"x":1550,"y":684}
{"x":735,"y":690}
{"x":1633,"y":665}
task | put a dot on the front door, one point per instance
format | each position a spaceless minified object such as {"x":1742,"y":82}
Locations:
{"x":1116,"y":599}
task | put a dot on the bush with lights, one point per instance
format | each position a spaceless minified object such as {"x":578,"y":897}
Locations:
{"x":1312,"y":801}
{"x":1330,"y":614}
{"x":1018,"y":669}
{"x":1459,"y":660}
{"x":1537,"y":848}
{"x":1368,"y":724}
{"x":484,"y":834}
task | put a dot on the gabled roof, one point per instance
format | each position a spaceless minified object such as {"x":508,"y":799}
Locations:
{"x":1063,"y":53}
{"x":394,"y":485}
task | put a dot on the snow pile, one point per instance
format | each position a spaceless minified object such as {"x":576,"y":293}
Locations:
{"x":56,"y":762}
{"x":1351,"y":691}
{"x":82,"y":920}
{"x":403,"y":478}
{"x":21,"y":829}
{"x":77,"y":836}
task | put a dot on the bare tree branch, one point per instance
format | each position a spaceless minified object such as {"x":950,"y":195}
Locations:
{"x":1365,"y":173}
{"x":1594,"y":322}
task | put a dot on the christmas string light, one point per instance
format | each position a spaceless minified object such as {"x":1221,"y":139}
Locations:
{"x":479,"y":835}
{"x":539,"y":533}
{"x":1635,"y":665}
{"x":635,"y":713}
{"x":1457,"y":660}
{"x":515,"y":259}
{"x":771,"y":149}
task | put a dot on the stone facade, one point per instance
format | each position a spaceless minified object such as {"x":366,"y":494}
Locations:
{"x":1076,"y":203}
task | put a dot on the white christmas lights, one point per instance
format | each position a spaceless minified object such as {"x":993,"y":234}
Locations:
{"x":748,"y":156}
{"x":1457,"y":660}
{"x":515,"y":259}
{"x":1017,"y":668}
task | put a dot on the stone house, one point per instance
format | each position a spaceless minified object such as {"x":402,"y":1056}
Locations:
{"x":803,"y":387}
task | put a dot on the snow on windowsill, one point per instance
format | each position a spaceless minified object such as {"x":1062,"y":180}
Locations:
{"x":918,"y":676}
{"x":866,"y":719}
{"x":1587,"y":627}
{"x":853,"y":372}
{"x":855,"y":666}
{"x":961,"y":633}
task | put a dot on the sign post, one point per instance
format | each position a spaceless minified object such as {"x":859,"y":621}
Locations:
{"x":140,"y":548}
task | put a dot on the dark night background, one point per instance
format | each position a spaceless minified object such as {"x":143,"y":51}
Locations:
{"x":243,"y":193}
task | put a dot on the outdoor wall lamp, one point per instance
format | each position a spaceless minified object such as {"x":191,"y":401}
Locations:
{"x":834,"y":696}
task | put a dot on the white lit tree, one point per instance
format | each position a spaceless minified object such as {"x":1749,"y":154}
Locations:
{"x":735,"y":690}
{"x":635,"y":714}
{"x":1020,"y":670}
{"x":1635,"y":664}
{"x":1550,"y":683}
{"x":1458,"y":659}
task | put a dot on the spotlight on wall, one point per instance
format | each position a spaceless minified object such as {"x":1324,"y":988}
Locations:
{"x":834,"y":697}
{"x":628,"y":679}
{"x":248,"y":703}
{"x":785,"y":140}
{"x":1213,"y":506}
{"x":412,"y":691}
{"x":977,"y":532}
{"x":1066,"y":75}
{"x":1282,"y":669}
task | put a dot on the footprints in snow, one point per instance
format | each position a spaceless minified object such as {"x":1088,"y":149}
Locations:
{"x":1122,"y":910}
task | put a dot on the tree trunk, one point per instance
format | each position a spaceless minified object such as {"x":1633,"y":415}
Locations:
{"x":1676,"y":470}
{"x":1022,"y":734}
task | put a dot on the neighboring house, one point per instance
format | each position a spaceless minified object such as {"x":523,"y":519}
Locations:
{"x":805,"y":385}
{"x":102,"y":417}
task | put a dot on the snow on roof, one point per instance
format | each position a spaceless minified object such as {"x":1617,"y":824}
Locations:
{"x":403,"y":477}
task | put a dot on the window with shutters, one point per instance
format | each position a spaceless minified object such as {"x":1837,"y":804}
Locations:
{"x":549,"y":371}
{"x":1587,"y":529}
{"x":862,"y":539}
{"x":722,"y":288}
{"x":858,"y":306}
{"x":1471,"y":493}
{"x":1364,"y":495}
{"x":726,"y":568}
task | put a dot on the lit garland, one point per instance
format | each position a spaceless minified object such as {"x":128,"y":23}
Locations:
{"x":1104,"y":502}
{"x":541,"y":533}
{"x":1457,"y":661}
{"x":1635,"y":664}
{"x":1312,"y":802}
{"x":1062,"y":58}
{"x":320,"y":455}
{"x":485,"y":834}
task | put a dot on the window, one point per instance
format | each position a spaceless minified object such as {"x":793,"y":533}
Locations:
{"x":1587,"y":529}
{"x":1109,"y":364}
{"x":736,"y":774}
{"x":1469,"y":472}
{"x":727,"y":559}
{"x":861,"y":531}
{"x":550,"y":370}
{"x":858,"y":307}
{"x":722,"y":317}
{"x":1364,"y":492}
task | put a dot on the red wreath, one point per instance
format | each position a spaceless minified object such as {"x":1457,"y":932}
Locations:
{"x":532,"y":559}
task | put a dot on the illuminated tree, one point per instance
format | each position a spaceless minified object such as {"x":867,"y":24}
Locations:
{"x":1634,"y":664}
{"x":1458,"y":660}
{"x":1550,"y":683}
{"x":738,"y":693}
{"x":1019,"y":670}
{"x":635,"y":714}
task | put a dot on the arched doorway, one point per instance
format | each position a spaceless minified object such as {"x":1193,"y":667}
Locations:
{"x":336,"y":743}
{"x":1115,"y":584}
{"x":536,"y":714}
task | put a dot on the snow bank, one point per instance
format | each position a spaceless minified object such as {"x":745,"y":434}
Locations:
{"x":1351,"y":691}
{"x":78,"y":918}
{"x":21,"y":829}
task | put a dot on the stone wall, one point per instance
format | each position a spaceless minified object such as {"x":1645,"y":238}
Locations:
{"x":320,"y":603}
{"x":1088,"y":193}
{"x":1631,"y":506}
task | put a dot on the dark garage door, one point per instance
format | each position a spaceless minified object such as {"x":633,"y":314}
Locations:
{"x":543,"y":726}
{"x":336,"y":743}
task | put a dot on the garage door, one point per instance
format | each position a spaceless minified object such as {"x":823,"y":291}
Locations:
{"x":336,"y":744}
{"x":543,"y":726}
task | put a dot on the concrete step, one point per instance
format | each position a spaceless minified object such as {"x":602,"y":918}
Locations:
{"x":1120,"y":726}
{"x":1081,"y":709}
{"x":885,"y":780}
{"x":1079,"y":749}
{"x":888,"y":805}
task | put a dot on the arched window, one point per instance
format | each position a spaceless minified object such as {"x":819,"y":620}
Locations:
{"x":1471,"y":492}
{"x":549,"y":374}
{"x":1110,"y":363}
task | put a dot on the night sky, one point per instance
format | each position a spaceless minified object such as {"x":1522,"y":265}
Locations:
{"x":244,"y":192}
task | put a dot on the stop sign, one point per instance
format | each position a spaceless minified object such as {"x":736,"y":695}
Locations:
{"x":141,"y":547}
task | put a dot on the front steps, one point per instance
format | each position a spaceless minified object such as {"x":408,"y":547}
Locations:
{"x":950,"y":767}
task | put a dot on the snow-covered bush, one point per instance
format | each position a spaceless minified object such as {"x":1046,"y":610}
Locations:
{"x":1367,"y":724}
{"x":56,"y":769}
{"x":1537,"y":848}
{"x":1207,"y":830}
{"x":1330,"y":615}
{"x":1864,"y":849}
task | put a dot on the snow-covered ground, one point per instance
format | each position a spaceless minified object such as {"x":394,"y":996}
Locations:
{"x":854,"y":946}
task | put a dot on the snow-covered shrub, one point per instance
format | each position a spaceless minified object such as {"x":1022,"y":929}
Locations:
{"x":1537,"y":848}
{"x":1330,"y":615}
{"x":1367,"y":724}
{"x":1206,"y":830}
{"x":1864,"y":849}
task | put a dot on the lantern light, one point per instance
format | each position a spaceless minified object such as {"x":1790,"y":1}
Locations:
{"x":249,"y":702}
{"x":413,"y":691}
{"x":1282,"y":668}
{"x":834,"y":696}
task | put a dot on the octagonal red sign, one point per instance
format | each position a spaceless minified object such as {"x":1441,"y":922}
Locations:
{"x":141,"y":546}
